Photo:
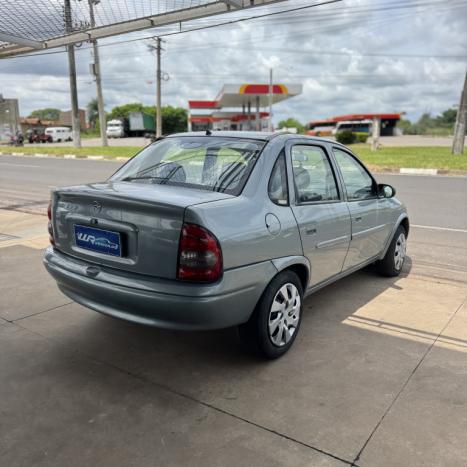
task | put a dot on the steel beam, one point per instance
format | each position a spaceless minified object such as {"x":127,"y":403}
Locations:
{"x":13,"y":39}
{"x":171,"y":17}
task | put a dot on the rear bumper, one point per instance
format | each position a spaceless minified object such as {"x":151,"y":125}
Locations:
{"x":163,"y":303}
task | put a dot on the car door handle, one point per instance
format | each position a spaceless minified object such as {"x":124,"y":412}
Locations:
{"x":357,"y":219}
{"x":311,"y":231}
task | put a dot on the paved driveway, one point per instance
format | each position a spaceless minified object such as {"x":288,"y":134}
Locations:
{"x":377,"y":377}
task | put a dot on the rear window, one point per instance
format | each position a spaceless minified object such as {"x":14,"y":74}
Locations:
{"x":203,"y":162}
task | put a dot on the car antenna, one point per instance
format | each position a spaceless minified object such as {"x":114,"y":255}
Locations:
{"x":208,"y":133}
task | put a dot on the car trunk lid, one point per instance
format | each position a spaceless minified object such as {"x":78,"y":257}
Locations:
{"x":147,"y":218}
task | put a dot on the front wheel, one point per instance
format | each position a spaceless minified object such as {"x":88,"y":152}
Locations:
{"x":391,"y":264}
{"x":274,"y":325}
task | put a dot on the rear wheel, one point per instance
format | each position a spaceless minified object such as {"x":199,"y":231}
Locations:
{"x":274,"y":325}
{"x":392,"y":263}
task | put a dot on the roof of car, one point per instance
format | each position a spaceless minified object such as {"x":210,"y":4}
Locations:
{"x":259,"y":135}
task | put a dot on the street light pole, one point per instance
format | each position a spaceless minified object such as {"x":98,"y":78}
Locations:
{"x":97,"y":75}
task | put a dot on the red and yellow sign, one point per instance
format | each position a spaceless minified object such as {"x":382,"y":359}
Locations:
{"x":263,"y":89}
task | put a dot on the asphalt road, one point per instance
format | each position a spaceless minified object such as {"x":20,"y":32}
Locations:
{"x":437,"y":205}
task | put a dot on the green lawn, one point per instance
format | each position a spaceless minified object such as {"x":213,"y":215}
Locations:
{"x":416,"y":157}
{"x":384,"y":158}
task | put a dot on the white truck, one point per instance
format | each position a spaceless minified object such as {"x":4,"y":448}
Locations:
{"x":137,"y":124}
{"x":116,"y":128}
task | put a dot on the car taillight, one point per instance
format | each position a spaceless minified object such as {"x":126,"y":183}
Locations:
{"x":49,"y":225}
{"x":199,"y":255}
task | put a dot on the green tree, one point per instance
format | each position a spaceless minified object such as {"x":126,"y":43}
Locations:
{"x":447,"y":119}
{"x":46,"y":114}
{"x":425,"y":123}
{"x":291,"y":123}
{"x":122,"y":111}
{"x":174,"y":120}
{"x":406,"y":126}
{"x":93,"y":113}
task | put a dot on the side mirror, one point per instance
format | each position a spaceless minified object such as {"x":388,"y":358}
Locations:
{"x":386,"y":191}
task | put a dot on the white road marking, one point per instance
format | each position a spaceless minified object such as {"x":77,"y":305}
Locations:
{"x":20,"y":165}
{"x":431,"y":227}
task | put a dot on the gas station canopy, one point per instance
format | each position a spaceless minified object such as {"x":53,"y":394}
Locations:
{"x":246,"y":99}
{"x":239,"y":95}
{"x":32,"y":25}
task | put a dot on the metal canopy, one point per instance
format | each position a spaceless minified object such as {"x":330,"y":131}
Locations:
{"x":239,"y":95}
{"x":31,"y":25}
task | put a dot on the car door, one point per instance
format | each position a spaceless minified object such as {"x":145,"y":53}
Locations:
{"x":319,"y":208}
{"x":368,"y":233}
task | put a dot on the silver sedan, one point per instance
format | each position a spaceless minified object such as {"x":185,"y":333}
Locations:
{"x":206,"y":231}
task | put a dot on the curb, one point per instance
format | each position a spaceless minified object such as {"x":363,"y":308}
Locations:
{"x":410,"y":171}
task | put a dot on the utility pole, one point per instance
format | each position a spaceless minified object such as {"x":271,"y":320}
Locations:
{"x":158,"y":103}
{"x":97,"y":75}
{"x":271,"y":91}
{"x":159,"y":77}
{"x":75,"y":122}
{"x":376,"y":131}
{"x":461,"y":123}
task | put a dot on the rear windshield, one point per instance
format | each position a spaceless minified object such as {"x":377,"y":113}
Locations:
{"x":203,"y":162}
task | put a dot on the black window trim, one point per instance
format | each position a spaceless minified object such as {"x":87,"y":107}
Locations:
{"x":333,"y":171}
{"x":359,"y":162}
{"x":281,"y":154}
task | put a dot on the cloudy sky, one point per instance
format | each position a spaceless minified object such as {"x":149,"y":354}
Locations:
{"x":352,"y":56}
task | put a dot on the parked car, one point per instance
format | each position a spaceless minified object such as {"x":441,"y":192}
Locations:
{"x":59,"y":134}
{"x":34,"y":137}
{"x":207,"y":231}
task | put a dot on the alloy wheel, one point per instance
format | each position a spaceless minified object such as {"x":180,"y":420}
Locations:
{"x":284,"y":315}
{"x":400,"y":251}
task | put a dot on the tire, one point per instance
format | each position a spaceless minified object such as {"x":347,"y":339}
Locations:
{"x":285,"y":321}
{"x":392,"y":263}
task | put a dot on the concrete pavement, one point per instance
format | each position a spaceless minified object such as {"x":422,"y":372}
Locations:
{"x":376,"y":377}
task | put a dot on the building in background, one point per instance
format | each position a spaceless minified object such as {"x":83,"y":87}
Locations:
{"x":358,"y":123}
{"x":65,"y":119}
{"x":32,"y":124}
{"x":239,"y":107}
{"x":9,"y":118}
{"x":38,"y":126}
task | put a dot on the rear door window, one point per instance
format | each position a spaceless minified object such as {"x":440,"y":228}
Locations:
{"x":313,"y":175}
